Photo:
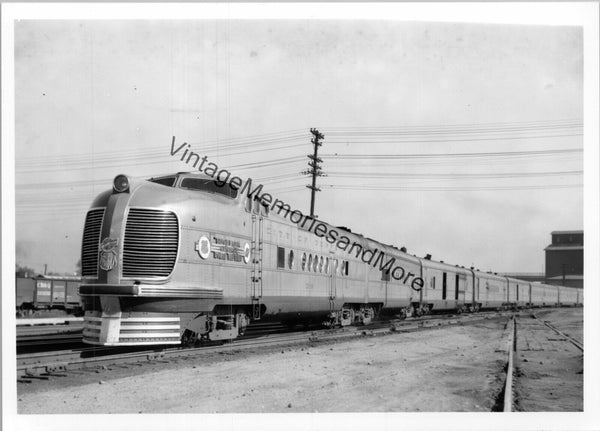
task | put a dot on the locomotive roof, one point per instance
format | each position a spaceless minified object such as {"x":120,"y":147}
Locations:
{"x":346,"y":230}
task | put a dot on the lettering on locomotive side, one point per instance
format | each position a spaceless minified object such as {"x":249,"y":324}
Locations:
{"x":227,"y":249}
{"x":224,"y":250}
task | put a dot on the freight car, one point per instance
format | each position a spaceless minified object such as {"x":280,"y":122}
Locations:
{"x":46,"y":292}
{"x":183,"y":257}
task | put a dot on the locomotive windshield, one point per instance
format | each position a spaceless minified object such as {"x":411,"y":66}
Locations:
{"x":193,"y":183}
{"x":165,"y":181}
{"x":209,"y":186}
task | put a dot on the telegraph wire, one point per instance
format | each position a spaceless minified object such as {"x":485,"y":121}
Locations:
{"x":420,"y":141}
{"x":385,"y":175}
{"x":459,"y":155}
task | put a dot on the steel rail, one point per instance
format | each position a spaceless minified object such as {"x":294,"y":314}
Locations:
{"x":512,"y":346}
{"x":52,"y":362}
{"x":574,"y":341}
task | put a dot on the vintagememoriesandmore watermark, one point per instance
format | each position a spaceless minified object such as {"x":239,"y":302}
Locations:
{"x":320,"y":229}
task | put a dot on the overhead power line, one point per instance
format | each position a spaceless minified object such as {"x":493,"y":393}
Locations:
{"x":449,"y":189}
{"x":419,"y":175}
{"x":470,"y":139}
{"x":456,"y":155}
{"x":456,"y":128}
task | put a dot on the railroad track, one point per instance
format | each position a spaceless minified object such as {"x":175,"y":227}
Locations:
{"x":55,"y":364}
{"x":508,"y":392}
{"x":572,"y":340}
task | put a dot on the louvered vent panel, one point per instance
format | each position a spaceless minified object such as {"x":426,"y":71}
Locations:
{"x":91,"y":242}
{"x":150,"y":245}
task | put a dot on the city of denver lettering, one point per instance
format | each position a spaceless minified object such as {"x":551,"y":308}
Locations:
{"x":375,"y":257}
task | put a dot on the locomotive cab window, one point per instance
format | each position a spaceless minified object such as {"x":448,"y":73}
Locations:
{"x":208,"y":186}
{"x":291,"y":259}
{"x":165,"y":181}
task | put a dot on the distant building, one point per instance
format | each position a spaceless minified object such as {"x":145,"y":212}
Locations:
{"x":564,"y":258}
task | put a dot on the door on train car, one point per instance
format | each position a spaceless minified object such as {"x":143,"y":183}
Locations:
{"x":258,"y":212}
{"x":460,"y":287}
{"x":331,"y":265}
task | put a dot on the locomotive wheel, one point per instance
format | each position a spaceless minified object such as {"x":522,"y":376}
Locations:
{"x":189,"y":338}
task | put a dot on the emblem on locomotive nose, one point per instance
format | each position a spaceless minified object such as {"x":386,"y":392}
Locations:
{"x":203,"y":247}
{"x":108,"y":253}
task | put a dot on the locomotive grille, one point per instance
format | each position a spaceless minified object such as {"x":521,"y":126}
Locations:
{"x":150,"y":244}
{"x":91,"y":240}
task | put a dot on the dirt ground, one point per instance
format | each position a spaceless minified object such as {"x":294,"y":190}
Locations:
{"x":447,"y":369}
{"x":549,"y":369}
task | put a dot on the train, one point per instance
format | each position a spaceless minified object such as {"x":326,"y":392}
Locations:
{"x":186,"y":257}
{"x":47,"y":292}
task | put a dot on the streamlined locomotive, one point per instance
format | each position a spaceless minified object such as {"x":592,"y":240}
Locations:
{"x":183,"y":257}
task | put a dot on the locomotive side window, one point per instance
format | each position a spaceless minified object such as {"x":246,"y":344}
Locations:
{"x":264,"y":209}
{"x":444,"y":285}
{"x":433,"y":282}
{"x":326,"y":265}
{"x":291,"y":259}
{"x":310,"y":259}
{"x":385,"y":275}
{"x":303,"y":261}
{"x":209,"y":186}
{"x":280,"y":257}
{"x":316,"y":263}
{"x":345,"y":267}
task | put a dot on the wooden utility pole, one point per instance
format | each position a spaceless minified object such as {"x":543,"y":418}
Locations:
{"x":314,"y":168}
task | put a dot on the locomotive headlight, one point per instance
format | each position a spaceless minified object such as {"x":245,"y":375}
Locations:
{"x":121,"y":184}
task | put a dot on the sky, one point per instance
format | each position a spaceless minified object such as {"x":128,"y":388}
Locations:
{"x":462,"y":140}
